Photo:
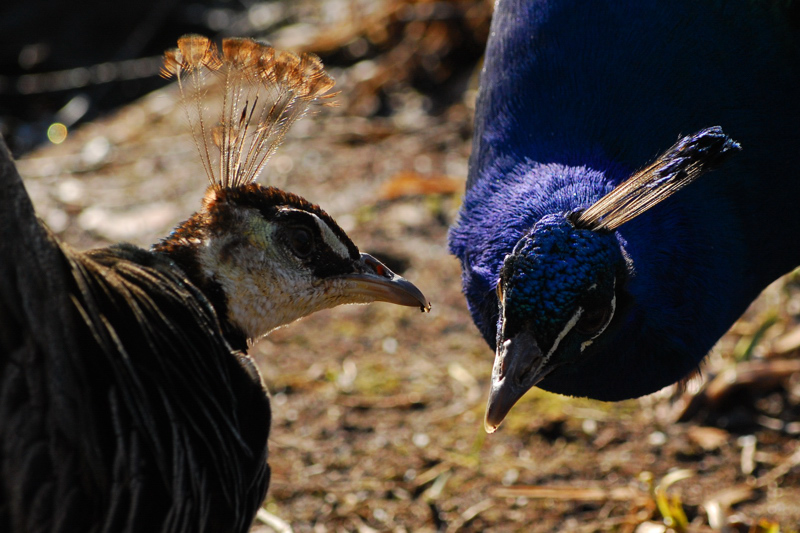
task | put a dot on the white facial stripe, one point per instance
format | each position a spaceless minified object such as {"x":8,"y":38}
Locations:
{"x":610,"y":316}
{"x":331,"y":239}
{"x":327,"y":233}
{"x":564,"y":332}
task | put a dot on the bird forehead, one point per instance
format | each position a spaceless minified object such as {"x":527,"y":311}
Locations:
{"x":553,"y":266}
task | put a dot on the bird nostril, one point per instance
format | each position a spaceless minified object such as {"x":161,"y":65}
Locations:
{"x":376,"y":266}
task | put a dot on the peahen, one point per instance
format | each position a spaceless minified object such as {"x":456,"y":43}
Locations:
{"x":584,"y":265}
{"x":128,"y":402}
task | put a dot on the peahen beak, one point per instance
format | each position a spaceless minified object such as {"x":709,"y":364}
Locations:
{"x":518,"y":366}
{"x":374,"y":282}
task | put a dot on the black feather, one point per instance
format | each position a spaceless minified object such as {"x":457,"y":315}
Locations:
{"x":122,"y":407}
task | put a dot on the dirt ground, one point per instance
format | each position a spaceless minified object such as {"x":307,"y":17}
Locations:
{"x":378,"y":409}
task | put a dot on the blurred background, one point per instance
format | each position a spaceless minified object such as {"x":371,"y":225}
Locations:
{"x":67,"y":64}
{"x":377,"y":422}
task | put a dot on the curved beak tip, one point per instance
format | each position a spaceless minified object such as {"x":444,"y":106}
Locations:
{"x":517,"y":367}
{"x":400,"y":291}
{"x":496,"y":410}
{"x":378,"y":283}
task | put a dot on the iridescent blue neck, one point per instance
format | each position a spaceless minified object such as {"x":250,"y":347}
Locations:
{"x":498,"y":212}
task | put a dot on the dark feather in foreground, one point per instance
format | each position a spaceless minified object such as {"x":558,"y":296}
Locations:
{"x":127,"y":403}
{"x":80,"y":413}
{"x":588,"y":276}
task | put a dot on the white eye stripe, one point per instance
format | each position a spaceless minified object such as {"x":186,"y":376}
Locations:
{"x":564,"y":332}
{"x":328,"y":236}
{"x":571,"y":324}
{"x":586,"y":344}
{"x":610,"y":316}
{"x":574,"y":320}
{"x":331,"y":239}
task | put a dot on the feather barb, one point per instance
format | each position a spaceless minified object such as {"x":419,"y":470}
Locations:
{"x":688,"y":159}
{"x":264,"y":91}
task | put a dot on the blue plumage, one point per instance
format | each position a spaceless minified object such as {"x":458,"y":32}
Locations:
{"x":621,"y":299}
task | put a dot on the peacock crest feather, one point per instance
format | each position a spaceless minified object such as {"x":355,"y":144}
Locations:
{"x":684,"y":162}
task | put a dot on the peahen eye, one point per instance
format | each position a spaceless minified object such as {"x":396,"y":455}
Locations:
{"x":300,"y":241}
{"x":594,"y":320}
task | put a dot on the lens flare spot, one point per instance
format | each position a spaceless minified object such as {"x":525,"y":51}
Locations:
{"x":57,"y":133}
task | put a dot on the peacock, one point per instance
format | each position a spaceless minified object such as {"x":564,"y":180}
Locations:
{"x":128,"y":402}
{"x":600,"y":257}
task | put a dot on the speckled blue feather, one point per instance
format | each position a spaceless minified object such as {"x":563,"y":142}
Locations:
{"x":576,"y":96}
{"x":550,"y":269}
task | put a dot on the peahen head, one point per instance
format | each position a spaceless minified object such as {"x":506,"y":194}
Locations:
{"x":266,"y":257}
{"x":563,"y":286}
{"x":263,"y":257}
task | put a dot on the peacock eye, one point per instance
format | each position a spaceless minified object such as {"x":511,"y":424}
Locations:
{"x":594,"y":319}
{"x":300,"y":241}
{"x":499,"y":290}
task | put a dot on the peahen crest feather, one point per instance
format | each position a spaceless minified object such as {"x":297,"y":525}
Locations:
{"x":265,"y":92}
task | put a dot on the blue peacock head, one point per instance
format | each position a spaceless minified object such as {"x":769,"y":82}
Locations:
{"x":562,"y":286}
{"x":569,"y":273}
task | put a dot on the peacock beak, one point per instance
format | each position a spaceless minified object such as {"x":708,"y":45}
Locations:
{"x":374,"y":282}
{"x":518,"y":366}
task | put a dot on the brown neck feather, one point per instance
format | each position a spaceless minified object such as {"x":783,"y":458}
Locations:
{"x":182,"y":246}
